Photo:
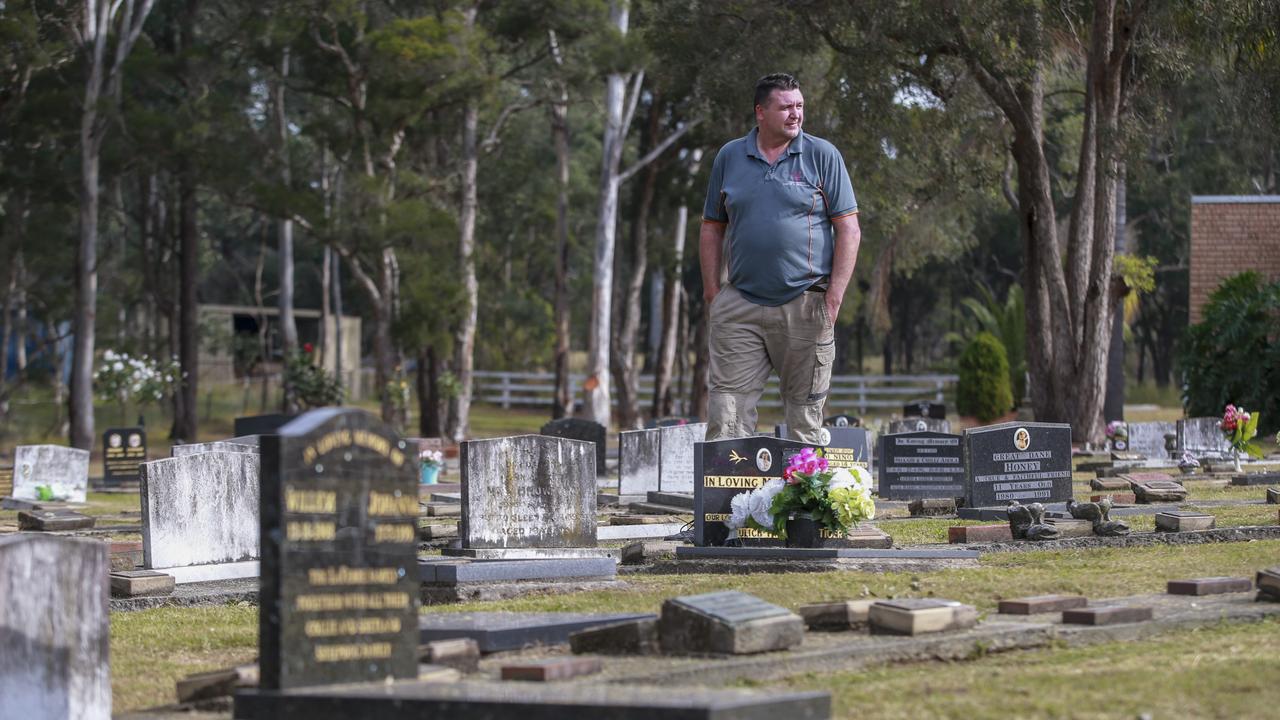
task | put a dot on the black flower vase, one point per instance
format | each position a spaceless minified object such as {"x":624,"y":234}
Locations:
{"x":802,"y":532}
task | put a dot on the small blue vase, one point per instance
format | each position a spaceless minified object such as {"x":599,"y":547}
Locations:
{"x":429,"y":473}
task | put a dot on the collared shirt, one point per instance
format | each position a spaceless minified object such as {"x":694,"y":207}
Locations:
{"x":779,"y":216}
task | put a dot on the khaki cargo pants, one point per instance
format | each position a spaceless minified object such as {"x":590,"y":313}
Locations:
{"x":747,"y":341}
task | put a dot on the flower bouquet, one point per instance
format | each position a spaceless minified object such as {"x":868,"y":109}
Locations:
{"x":431,"y":461}
{"x":1240,"y":427}
{"x":1118,"y":435}
{"x":1188,"y":464}
{"x":833,"y":500}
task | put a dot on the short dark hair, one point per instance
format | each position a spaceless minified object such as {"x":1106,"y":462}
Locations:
{"x":774,"y":81}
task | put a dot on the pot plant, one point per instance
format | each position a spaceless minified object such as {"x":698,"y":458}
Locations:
{"x":811,"y":500}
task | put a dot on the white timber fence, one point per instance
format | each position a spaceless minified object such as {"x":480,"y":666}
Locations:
{"x":848,"y":392}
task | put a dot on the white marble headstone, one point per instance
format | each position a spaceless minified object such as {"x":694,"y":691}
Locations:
{"x":64,"y":470}
{"x":1147,"y":439}
{"x":200,"y":509}
{"x":676,"y":458}
{"x":54,"y":631}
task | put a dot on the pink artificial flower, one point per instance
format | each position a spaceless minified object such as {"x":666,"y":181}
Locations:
{"x":822,"y":464}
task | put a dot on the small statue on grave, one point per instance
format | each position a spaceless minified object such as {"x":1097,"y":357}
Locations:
{"x":1026,"y":522}
{"x":1098,"y":513}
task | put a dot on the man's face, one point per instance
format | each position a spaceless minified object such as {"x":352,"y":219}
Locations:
{"x":781,"y":115}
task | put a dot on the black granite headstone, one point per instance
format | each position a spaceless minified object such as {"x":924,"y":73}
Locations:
{"x":842,"y":421}
{"x":849,"y":447}
{"x":123,"y":449}
{"x":725,"y":468}
{"x":339,"y":589}
{"x":1027,"y":462}
{"x":925,"y":409}
{"x":921,"y":465}
{"x":261,"y":424}
{"x":580,"y":429}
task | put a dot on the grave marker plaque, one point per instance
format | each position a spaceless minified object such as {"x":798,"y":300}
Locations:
{"x":528,"y":491}
{"x":726,"y":468}
{"x":339,"y":593}
{"x":580,"y":429}
{"x":921,"y":465}
{"x":1028,"y":462}
{"x":123,"y":451}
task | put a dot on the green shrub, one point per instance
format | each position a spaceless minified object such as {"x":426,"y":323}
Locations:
{"x":984,"y":379}
{"x":1233,"y":354}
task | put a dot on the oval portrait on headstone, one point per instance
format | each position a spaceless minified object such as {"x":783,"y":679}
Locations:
{"x":114,"y":440}
{"x":764,"y":459}
{"x":842,"y":422}
{"x":1021,"y":439}
{"x":921,"y":426}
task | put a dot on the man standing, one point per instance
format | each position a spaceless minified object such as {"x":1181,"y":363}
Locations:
{"x":784,"y":202}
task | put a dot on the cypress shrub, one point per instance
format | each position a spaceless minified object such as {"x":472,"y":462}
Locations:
{"x":984,"y":391}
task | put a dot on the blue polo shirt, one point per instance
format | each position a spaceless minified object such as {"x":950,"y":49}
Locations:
{"x":779,"y":216}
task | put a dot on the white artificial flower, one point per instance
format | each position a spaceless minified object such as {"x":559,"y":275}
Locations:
{"x":740,"y":510}
{"x":841,"y":478}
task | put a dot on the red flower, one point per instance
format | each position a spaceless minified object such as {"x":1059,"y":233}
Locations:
{"x":306,"y":348}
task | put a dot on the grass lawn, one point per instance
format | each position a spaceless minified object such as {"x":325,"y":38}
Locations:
{"x":151,"y":649}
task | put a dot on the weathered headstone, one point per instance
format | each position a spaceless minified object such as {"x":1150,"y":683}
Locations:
{"x":727,"y":622}
{"x":726,"y":468}
{"x":200,"y":510}
{"x":528,"y":491}
{"x":247,"y":445}
{"x":53,"y":520}
{"x":64,"y":470}
{"x":53,"y":621}
{"x":266,"y":424}
{"x":123,"y":450}
{"x":964,"y":534}
{"x":925,"y":409}
{"x":1151,"y":488}
{"x":135,"y":583}
{"x":1027,"y":462}
{"x":339,"y":591}
{"x":1251,"y":479}
{"x":919,"y":424}
{"x":921,"y":465}
{"x":630,"y":637}
{"x":660,"y":459}
{"x":1183,"y":521}
{"x":1148,"y":438}
{"x":1202,"y":437}
{"x":580,"y":429}
{"x":1268,"y":582}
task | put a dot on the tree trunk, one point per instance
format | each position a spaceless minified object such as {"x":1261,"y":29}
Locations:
{"x":597,"y":384}
{"x":562,"y":400}
{"x":189,"y":322}
{"x":86,"y":274}
{"x":429,"y":393}
{"x":626,"y":373}
{"x":662,"y":399}
{"x":699,"y":393}
{"x":464,"y":359}
{"x":1114,"y":405}
{"x":288,"y":326}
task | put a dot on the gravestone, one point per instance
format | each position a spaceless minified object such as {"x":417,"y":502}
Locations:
{"x":580,"y":429}
{"x":53,"y":628}
{"x":528,"y":491}
{"x":849,"y":447}
{"x":1147,"y":438}
{"x":727,"y":622}
{"x":639,"y":461}
{"x":917,"y":616}
{"x":925,"y":409}
{"x":261,"y":424}
{"x":1028,"y":462}
{"x":63,"y":470}
{"x":726,"y":468}
{"x":123,"y":450}
{"x":842,"y":421}
{"x":6,"y":481}
{"x":339,"y":589}
{"x":919,"y":424}
{"x":921,"y":465}
{"x":1253,"y":479}
{"x":1202,"y":437}
{"x":247,"y":445}
{"x":200,"y":510}
{"x":499,"y":631}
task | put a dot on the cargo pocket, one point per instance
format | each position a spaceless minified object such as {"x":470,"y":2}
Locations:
{"x":824,"y":354}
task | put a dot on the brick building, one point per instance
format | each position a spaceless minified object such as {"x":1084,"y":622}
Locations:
{"x":1231,"y":234}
